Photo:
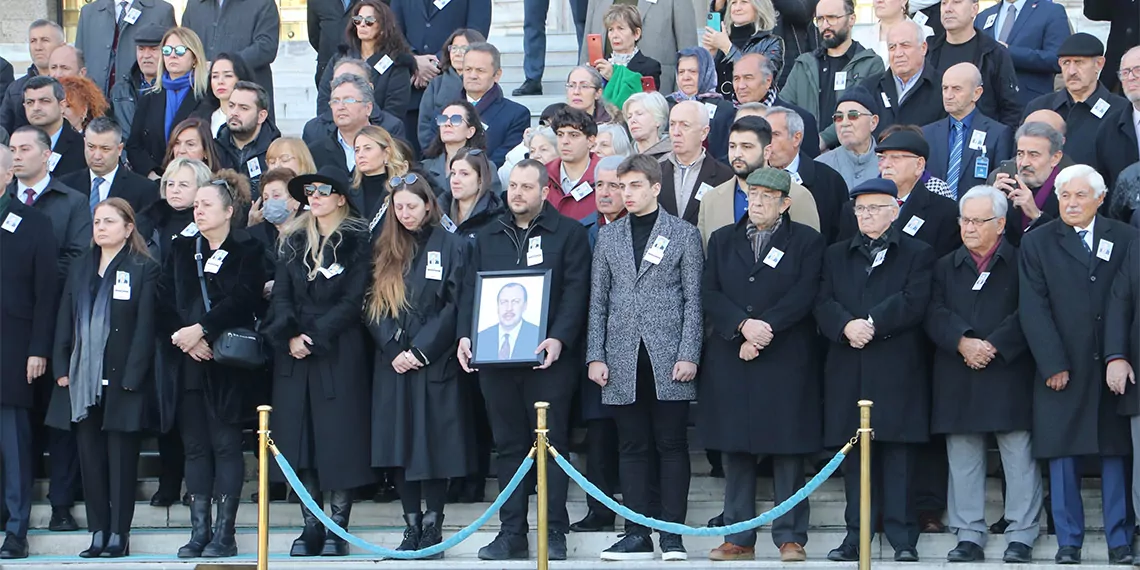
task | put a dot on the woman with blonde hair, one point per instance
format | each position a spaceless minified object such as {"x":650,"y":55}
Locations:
{"x":420,"y":418}
{"x":83,"y":101}
{"x":320,"y":371}
{"x":180,"y":90}
{"x":647,"y":117}
{"x":749,"y":28}
{"x":378,"y":160}
{"x":291,"y":153}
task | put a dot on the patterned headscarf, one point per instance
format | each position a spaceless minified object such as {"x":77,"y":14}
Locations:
{"x":706,"y":82}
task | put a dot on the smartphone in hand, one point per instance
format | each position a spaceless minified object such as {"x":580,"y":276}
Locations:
{"x":594,"y":48}
{"x":713,"y":20}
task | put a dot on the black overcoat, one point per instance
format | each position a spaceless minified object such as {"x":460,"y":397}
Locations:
{"x":893,"y":370}
{"x":771,"y":404}
{"x":420,"y":421}
{"x":322,"y":403}
{"x":129,"y":352}
{"x":235,"y":294}
{"x":1064,"y":294}
{"x":935,"y":216}
{"x":1122,"y":323}
{"x":999,"y":397}
{"x":29,"y":280}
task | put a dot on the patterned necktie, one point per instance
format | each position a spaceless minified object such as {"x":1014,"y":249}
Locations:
{"x":1007,"y":25}
{"x":93,"y":200}
{"x":1081,"y":234}
{"x":29,"y":196}
{"x":505,"y":348}
{"x":954,"y":172}
{"x":115,"y":43}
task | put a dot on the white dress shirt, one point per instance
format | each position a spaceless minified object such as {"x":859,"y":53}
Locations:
{"x":38,"y":188}
{"x":512,"y":336}
{"x":119,"y":8}
{"x":1088,"y":236}
{"x":108,"y":180}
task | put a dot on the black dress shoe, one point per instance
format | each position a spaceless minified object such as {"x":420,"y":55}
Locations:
{"x":1120,"y":555}
{"x":163,"y":498}
{"x":844,"y":553}
{"x":529,"y":87}
{"x":98,"y":543}
{"x":14,"y":547}
{"x":716,"y":521}
{"x":506,"y":546}
{"x":1018,"y":553}
{"x":999,"y":527}
{"x":555,"y":545}
{"x":594,"y":522}
{"x":966,"y":551}
{"x":118,"y":546}
{"x":1068,"y":555}
{"x":61,"y":520}
{"x":474,"y":489}
{"x":906,"y":554}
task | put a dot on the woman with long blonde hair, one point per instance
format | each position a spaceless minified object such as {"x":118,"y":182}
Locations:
{"x":320,"y":373}
{"x":378,"y":160}
{"x":420,"y":420}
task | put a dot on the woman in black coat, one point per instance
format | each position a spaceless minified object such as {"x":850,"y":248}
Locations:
{"x":374,"y":36}
{"x":228,"y":263}
{"x":419,"y":415}
{"x":470,"y":202}
{"x":749,"y":27}
{"x":104,"y":346}
{"x":181,"y":90}
{"x":321,"y":392}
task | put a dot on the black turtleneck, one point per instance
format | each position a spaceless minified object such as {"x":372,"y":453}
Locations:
{"x":375,"y":190}
{"x":641,"y":227}
{"x":739,"y":35}
{"x":177,"y":222}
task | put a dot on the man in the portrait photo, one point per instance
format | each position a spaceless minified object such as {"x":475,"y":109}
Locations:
{"x":512,"y":338}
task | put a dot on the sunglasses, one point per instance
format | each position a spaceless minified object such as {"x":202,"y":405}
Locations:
{"x":851,"y":115}
{"x":223,"y":184}
{"x":364,"y":20}
{"x":176,"y":50}
{"x":455,"y":120}
{"x":398,"y":181}
{"x":318,"y":188}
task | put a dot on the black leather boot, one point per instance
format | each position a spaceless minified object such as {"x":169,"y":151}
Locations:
{"x":118,"y":546}
{"x":224,"y":543}
{"x":98,"y":543}
{"x":341,"y":503}
{"x":313,"y":537}
{"x":412,"y":531}
{"x":200,"y":532}
{"x":432,"y":533}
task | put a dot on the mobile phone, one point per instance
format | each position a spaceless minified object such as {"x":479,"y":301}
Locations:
{"x":594,"y":48}
{"x":713,"y":20}
{"x":648,"y":84}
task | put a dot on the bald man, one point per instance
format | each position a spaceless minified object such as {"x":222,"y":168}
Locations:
{"x":752,"y":80}
{"x":687,"y":172}
{"x":67,"y":61}
{"x":966,"y":144}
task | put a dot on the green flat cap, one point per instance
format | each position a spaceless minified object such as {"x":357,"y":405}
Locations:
{"x":771,"y":178}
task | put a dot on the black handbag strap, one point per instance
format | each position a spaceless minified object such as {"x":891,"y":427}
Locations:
{"x":201,"y":274}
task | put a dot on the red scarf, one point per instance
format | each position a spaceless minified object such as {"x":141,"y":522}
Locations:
{"x":983,"y":261}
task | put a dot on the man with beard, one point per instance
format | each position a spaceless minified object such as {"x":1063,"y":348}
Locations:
{"x":1038,"y":157}
{"x":244,"y":139}
{"x":819,"y":78}
{"x":1084,"y":103}
{"x":1116,"y":141}
{"x":727,"y":203}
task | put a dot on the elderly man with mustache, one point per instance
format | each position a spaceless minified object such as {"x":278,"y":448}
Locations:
{"x":1038,"y":157}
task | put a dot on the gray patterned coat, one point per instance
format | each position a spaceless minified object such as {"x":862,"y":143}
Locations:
{"x":659,"y":304}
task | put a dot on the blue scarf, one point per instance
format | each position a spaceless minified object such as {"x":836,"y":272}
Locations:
{"x":176,"y":91}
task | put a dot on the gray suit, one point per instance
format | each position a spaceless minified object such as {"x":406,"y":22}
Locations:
{"x":97,"y":30}
{"x":630,"y":305}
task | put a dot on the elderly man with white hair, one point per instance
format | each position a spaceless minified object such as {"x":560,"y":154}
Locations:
{"x":983,"y":379}
{"x":687,"y":171}
{"x":786,"y":152}
{"x":1067,"y":269}
{"x":909,"y":92}
{"x":647,"y":116}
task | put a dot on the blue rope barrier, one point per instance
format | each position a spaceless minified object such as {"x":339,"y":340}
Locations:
{"x":676,"y":528}
{"x":307,"y":500}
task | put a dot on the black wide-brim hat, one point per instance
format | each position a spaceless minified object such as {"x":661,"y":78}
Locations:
{"x":330,"y":175}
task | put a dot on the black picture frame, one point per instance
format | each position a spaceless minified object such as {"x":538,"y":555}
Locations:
{"x":489,"y":285}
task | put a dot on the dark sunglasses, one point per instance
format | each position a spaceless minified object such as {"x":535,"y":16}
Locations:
{"x":176,"y":50}
{"x":455,"y":120}
{"x":398,"y":181}
{"x":318,"y":188}
{"x":364,"y":20}
{"x":851,"y":115}
{"x":223,"y":184}
{"x":474,"y":151}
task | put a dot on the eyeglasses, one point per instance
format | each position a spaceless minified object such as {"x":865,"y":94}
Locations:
{"x":580,"y":86}
{"x":831,"y":21}
{"x":458,"y":49}
{"x":280,"y":159}
{"x":455,"y":120}
{"x":964,"y":222}
{"x":1129,"y":73}
{"x":345,"y":101}
{"x":851,"y":115}
{"x":410,"y":178}
{"x":318,"y":188}
{"x":893,"y":157}
{"x":870,"y":209}
{"x":367,"y":21}
{"x":176,"y":50}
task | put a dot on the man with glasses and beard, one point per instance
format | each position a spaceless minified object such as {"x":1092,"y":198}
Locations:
{"x":245,"y":138}
{"x":819,"y":78}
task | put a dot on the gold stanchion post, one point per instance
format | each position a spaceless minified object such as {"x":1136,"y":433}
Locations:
{"x":263,"y":487}
{"x":540,"y":460}
{"x":865,"y":436}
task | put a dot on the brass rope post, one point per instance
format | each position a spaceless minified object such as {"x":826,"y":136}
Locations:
{"x":865,"y":436}
{"x":542,"y":446}
{"x":263,"y":487}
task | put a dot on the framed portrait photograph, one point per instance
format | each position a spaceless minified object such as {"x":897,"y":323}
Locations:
{"x":511,"y":311}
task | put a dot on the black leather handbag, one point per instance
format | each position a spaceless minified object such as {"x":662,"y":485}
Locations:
{"x":239,"y":347}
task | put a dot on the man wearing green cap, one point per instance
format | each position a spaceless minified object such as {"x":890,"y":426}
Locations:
{"x":761,"y":277}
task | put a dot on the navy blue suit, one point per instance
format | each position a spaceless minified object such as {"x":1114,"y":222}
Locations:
{"x":998,"y":145}
{"x":505,"y":122}
{"x":1037,"y":33}
{"x":487,"y":343}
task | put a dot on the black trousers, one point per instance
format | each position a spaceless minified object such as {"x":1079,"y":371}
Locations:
{"x":931,"y":475}
{"x":661,"y":425}
{"x":173,"y":461}
{"x":214,"y":462}
{"x":63,"y":457}
{"x":510,"y":399}
{"x":891,"y":493}
{"x":740,"y":497}
{"x":109,"y":461}
{"x":16,"y":467}
{"x":601,"y":460}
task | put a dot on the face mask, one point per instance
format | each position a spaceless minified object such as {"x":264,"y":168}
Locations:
{"x":275,"y":210}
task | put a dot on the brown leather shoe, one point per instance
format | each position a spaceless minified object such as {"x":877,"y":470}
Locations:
{"x":730,"y":551}
{"x":930,"y":522}
{"x":792,"y":552}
